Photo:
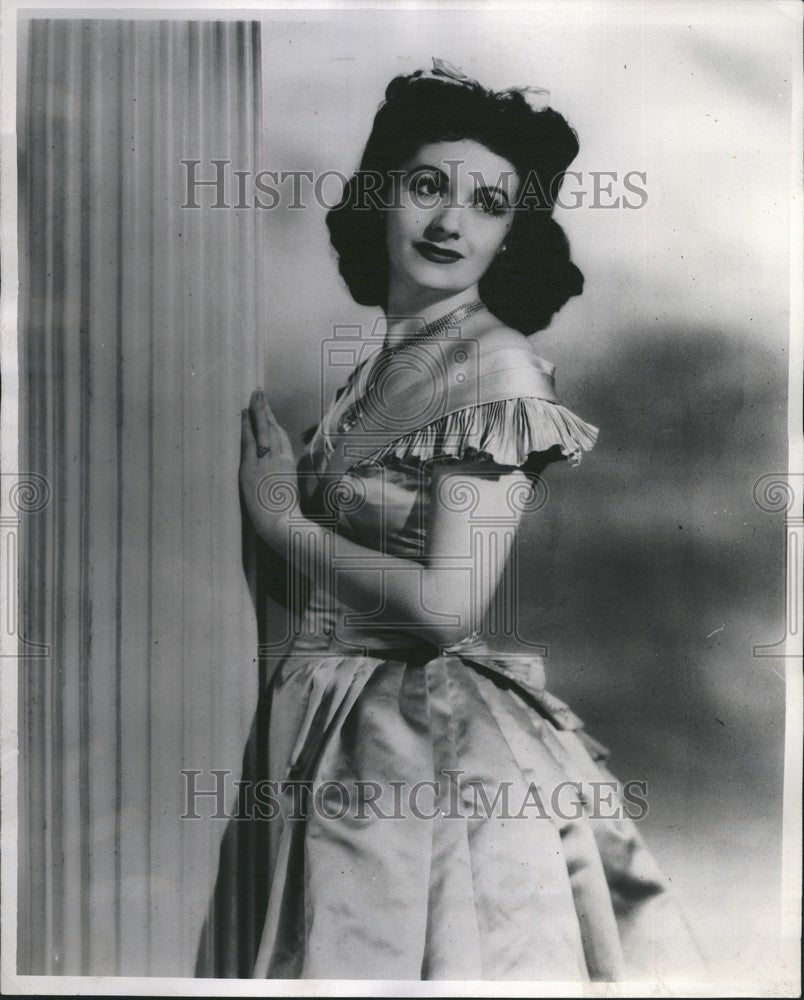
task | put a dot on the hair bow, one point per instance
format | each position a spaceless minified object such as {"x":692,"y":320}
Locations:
{"x":536,"y":97}
{"x":443,"y":68}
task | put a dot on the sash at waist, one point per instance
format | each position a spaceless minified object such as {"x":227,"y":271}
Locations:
{"x":524,"y":670}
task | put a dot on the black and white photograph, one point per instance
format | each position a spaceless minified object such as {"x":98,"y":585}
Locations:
{"x":401,"y":498}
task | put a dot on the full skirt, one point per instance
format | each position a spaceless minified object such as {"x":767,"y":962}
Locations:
{"x":445,"y":818}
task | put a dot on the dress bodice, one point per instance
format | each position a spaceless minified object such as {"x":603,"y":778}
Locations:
{"x":374,"y":485}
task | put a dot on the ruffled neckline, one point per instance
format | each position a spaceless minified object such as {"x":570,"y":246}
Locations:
{"x":506,"y":431}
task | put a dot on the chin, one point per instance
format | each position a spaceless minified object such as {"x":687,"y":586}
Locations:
{"x":436,"y":276}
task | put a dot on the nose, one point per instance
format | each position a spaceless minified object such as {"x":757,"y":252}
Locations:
{"x":446,"y":225}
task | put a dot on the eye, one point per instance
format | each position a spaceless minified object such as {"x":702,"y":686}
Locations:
{"x":426,"y":185}
{"x":491,"y":202}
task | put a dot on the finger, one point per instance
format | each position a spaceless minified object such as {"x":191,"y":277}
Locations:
{"x":284,"y":441}
{"x":279,"y":437}
{"x":247,"y":442}
{"x":260,"y":400}
{"x":259,"y":420}
{"x":266,"y":430}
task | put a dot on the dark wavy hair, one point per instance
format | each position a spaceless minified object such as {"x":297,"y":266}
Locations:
{"x":525,"y":286}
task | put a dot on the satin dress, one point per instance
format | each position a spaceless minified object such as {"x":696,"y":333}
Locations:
{"x":447,"y":882}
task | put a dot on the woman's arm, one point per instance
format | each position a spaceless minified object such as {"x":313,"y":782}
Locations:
{"x":471,"y":530}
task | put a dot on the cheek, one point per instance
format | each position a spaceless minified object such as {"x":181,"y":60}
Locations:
{"x":394,"y":235}
{"x":488,"y":241}
{"x":403,"y":224}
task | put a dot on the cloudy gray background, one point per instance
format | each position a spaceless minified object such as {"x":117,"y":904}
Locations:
{"x":651,"y":573}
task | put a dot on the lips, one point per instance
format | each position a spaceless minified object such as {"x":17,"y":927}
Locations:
{"x":437,"y":254}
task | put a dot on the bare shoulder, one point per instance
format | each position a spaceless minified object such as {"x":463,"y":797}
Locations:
{"x":497,"y":336}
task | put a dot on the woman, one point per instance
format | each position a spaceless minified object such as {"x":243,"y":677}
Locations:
{"x":454,"y":856}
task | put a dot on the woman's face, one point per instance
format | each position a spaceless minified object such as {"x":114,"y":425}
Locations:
{"x":455,"y":207}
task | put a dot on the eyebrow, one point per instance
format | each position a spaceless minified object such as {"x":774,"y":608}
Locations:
{"x":427,"y":166}
{"x":490,"y":190}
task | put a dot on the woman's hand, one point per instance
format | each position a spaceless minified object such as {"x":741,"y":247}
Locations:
{"x":267,"y":471}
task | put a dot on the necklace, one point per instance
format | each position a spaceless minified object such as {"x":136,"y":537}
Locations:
{"x":354,"y":411}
